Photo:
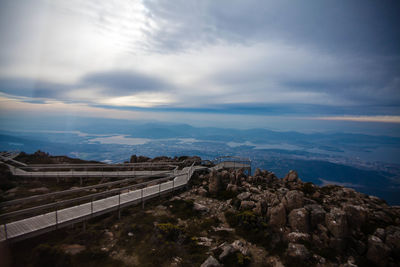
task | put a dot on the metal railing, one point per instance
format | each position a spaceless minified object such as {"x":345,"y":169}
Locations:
{"x":61,"y":217}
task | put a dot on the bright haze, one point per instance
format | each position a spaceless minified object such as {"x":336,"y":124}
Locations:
{"x":282,"y":65}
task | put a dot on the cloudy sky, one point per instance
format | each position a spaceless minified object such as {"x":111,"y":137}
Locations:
{"x":201,"y":61}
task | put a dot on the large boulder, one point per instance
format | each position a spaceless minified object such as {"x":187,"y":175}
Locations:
{"x":298,"y":220}
{"x":277,"y":215}
{"x":293,"y":200}
{"x":378,"y":251}
{"x":336,"y":222}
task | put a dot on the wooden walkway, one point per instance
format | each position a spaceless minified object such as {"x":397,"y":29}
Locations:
{"x":50,"y":221}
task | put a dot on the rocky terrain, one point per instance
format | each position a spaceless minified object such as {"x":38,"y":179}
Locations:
{"x":227,"y":218}
{"x":296,"y":223}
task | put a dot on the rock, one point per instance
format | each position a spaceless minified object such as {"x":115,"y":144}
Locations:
{"x":274,"y":261}
{"x":356,"y":215}
{"x":293,"y":200}
{"x":393,"y":238}
{"x":255,"y":190}
{"x":232,"y":188}
{"x":247,"y":205}
{"x":210,"y":262}
{"x":204,"y":241}
{"x":244,"y":195}
{"x":298,"y":220}
{"x":202,"y":192}
{"x":296,"y":237}
{"x":380,"y":232}
{"x":336,"y":222}
{"x":378,"y":251}
{"x":241,"y":246}
{"x":292,"y":176}
{"x":73,"y":249}
{"x":261,"y":208}
{"x":257,"y":172}
{"x":200,"y":208}
{"x":277,"y":215}
{"x":317,"y":215}
{"x":298,"y":251}
{"x":227,"y":229}
{"x":215,"y":183}
{"x":130,"y":234}
{"x":109,"y":235}
{"x":226,"y":251}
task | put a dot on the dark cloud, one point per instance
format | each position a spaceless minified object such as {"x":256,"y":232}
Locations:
{"x":339,"y":26}
{"x":121,"y":83}
{"x":103,"y":84}
{"x":32,"y":88}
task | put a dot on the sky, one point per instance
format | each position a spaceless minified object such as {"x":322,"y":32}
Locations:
{"x":211,"y":63}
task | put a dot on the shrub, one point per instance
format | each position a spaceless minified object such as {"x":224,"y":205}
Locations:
{"x":183,"y":209}
{"x":169,"y":231}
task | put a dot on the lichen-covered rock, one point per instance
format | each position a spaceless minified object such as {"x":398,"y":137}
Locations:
{"x":336,"y":222}
{"x":293,"y":200}
{"x":378,"y":251}
{"x":296,"y":237}
{"x":277,"y":215}
{"x":298,"y":220}
{"x":298,"y":251}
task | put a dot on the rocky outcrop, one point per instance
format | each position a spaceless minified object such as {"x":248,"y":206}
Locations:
{"x":322,"y":226}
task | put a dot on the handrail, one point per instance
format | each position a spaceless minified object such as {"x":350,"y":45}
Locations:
{"x":69,"y":191}
{"x":91,"y":196}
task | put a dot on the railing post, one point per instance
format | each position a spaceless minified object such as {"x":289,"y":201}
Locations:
{"x":57,"y":216}
{"x":91,"y":207}
{"x":141,"y":191}
{"x":5,"y":230}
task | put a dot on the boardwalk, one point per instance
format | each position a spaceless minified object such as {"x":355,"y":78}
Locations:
{"x":36,"y":225}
